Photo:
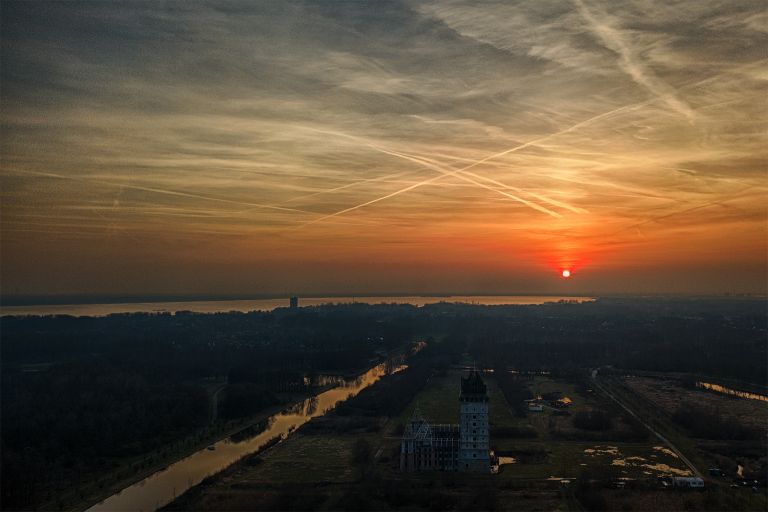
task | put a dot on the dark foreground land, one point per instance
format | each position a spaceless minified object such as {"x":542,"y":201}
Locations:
{"x":89,"y":404}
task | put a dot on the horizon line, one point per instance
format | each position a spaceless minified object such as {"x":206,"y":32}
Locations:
{"x":12,"y":300}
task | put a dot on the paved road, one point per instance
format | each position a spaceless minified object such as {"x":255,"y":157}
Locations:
{"x":663,"y":439}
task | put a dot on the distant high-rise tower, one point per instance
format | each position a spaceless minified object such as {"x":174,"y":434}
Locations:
{"x":474,"y":449}
{"x":294,"y":302}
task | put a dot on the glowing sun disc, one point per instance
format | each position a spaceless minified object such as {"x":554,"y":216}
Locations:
{"x":566,"y":273}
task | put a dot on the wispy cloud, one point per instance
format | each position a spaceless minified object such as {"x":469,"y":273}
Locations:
{"x":204,"y":136}
{"x":629,"y":60}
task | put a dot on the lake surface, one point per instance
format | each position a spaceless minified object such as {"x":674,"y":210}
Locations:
{"x":164,"y":486}
{"x":223,"y":306}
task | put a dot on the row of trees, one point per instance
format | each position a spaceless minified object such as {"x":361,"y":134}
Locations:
{"x":80,"y":395}
{"x":83,"y":396}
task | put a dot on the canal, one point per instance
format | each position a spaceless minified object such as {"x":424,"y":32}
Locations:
{"x":164,"y":486}
{"x":711,"y":386}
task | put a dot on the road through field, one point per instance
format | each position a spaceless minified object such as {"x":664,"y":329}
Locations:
{"x":663,"y":439}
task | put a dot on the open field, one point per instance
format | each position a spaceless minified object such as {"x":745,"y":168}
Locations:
{"x":304,"y":459}
{"x":557,"y":450}
{"x":669,"y":395}
{"x":321,"y":467}
{"x":664,"y":399}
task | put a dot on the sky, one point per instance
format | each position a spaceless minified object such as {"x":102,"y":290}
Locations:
{"x":427,"y":146}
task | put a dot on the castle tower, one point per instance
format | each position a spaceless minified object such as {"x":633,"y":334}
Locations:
{"x":474,"y":449}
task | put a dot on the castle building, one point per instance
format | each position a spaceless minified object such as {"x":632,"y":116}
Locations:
{"x":462,"y":447}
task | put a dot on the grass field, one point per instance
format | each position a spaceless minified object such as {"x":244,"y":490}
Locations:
{"x":318,"y":469}
{"x":548,"y":454}
{"x":303,"y":459}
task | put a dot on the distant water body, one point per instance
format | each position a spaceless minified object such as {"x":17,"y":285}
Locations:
{"x":223,"y":306}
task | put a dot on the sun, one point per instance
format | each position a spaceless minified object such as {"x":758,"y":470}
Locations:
{"x":566,"y":273}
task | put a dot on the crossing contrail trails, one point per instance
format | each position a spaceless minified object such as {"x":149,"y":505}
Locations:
{"x":499,"y":184}
{"x":457,"y":174}
{"x":556,"y":134}
{"x":473,"y":164}
{"x":553,"y":202}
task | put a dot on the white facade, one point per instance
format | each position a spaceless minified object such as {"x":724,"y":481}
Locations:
{"x":474,"y":444}
{"x":463,"y":447}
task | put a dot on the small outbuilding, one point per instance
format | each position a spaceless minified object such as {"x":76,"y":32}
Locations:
{"x":688,"y":482}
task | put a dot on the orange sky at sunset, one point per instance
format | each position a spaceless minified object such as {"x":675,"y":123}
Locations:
{"x":419,"y":147}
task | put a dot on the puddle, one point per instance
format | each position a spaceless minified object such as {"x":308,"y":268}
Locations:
{"x":649,"y":466}
{"x":732,"y":392}
{"x":667,"y":470}
{"x":502,"y":461}
{"x":602,"y":450}
{"x":664,"y":449}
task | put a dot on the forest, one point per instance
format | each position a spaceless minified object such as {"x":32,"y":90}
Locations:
{"x":82,"y":395}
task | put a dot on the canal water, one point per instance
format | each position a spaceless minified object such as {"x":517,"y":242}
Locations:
{"x":730,"y":391}
{"x":164,"y":486}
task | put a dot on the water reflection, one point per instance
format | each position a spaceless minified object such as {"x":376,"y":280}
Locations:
{"x":164,"y":486}
{"x":251,"y":431}
{"x":729,"y":391}
{"x":225,"y":306}
{"x":638,"y":462}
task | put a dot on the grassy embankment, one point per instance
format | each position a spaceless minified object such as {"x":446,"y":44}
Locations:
{"x":128,"y":471}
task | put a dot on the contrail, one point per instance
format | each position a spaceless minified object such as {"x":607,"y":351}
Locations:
{"x":457,"y":174}
{"x":576,"y":126}
{"x":397,"y":192}
{"x":556,"y":134}
{"x":474,"y":164}
{"x":348,"y":185}
{"x":540,"y":197}
{"x":614,"y":40}
{"x":161,"y":191}
{"x":672,"y":214}
{"x":553,"y":202}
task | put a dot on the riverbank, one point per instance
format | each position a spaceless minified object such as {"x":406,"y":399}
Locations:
{"x":164,"y":486}
{"x":74,"y":502}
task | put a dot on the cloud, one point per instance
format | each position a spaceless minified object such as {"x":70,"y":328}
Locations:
{"x":630,"y":62}
{"x":446,"y":127}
